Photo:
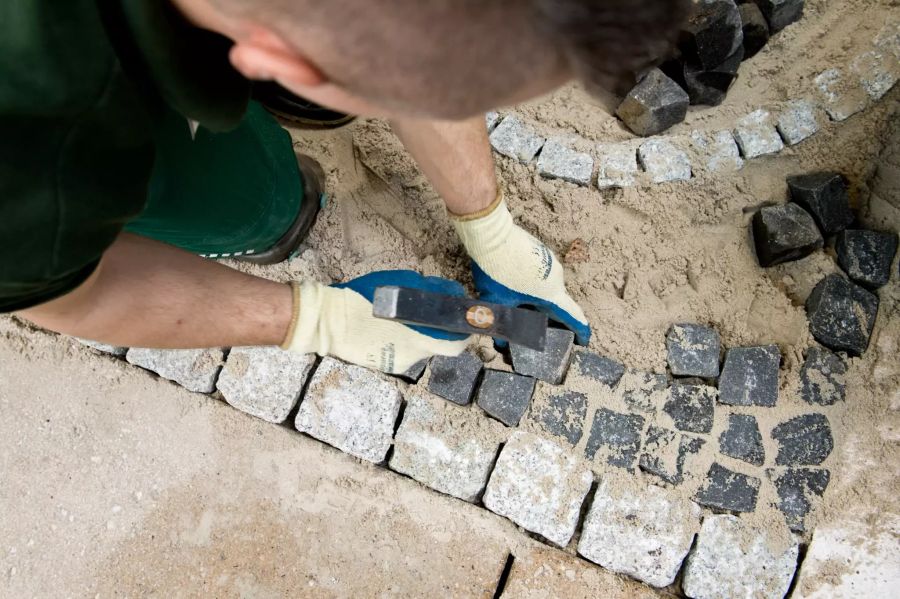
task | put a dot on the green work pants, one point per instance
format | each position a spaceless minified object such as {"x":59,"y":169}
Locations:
{"x":222,"y":194}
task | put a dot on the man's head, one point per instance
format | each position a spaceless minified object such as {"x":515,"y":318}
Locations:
{"x":438,"y":58}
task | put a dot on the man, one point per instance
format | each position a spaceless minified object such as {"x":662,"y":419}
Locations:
{"x":128,"y":146}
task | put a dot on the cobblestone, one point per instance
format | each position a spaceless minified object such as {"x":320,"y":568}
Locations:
{"x":445,"y":447}
{"x":655,"y":104}
{"x":719,"y":150}
{"x":756,"y":135}
{"x":693,"y":350}
{"x":797,"y":121}
{"x":619,"y":435}
{"x":599,"y":368}
{"x":824,"y":195}
{"x":755,"y":28}
{"x":505,"y":395}
{"x":797,"y":488}
{"x":867,"y":256}
{"x":664,"y":161}
{"x":561,"y":413}
{"x":841,"y":314}
{"x":561,"y":162}
{"x":803,"y":441}
{"x":781,"y":13}
{"x":742,"y":440}
{"x":666,"y":453}
{"x":822,"y":377}
{"x":617,"y":165}
{"x":265,"y":382}
{"x":750,"y":376}
{"x":784,"y":233}
{"x":549,"y":365}
{"x":643,"y":532}
{"x":513,"y":138}
{"x":539,"y":486}
{"x":454,"y":378}
{"x":877,"y":72}
{"x":725,"y":489}
{"x":194,"y":369}
{"x":841,"y":98}
{"x":105,"y":348}
{"x":691,"y":407}
{"x":491,"y":119}
{"x":350,"y":408}
{"x":643,"y":391}
{"x":731,"y":560}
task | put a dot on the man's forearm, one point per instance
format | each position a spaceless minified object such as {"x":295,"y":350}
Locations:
{"x":149,"y":294}
{"x":456,"y":158}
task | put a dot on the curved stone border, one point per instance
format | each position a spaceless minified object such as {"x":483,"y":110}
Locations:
{"x":836,"y":95}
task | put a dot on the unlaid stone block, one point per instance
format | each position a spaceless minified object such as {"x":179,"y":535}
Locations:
{"x":742,"y":440}
{"x":867,"y":256}
{"x":719,"y":150}
{"x":840,"y":97}
{"x":750,"y":376}
{"x":454,"y":378}
{"x":732,"y":560}
{"x":444,"y":447}
{"x":597,"y":367}
{"x":549,"y":365}
{"x":755,"y":28}
{"x":713,"y":33}
{"x":781,"y":13}
{"x":617,"y":165}
{"x":797,"y":488}
{"x":803,"y":441}
{"x":797,"y":120}
{"x":515,"y":139}
{"x":643,"y":391}
{"x":666,"y":452}
{"x":105,"y":348}
{"x":194,"y":369}
{"x":784,"y":233}
{"x":725,"y":489}
{"x":655,"y":104}
{"x":350,"y":408}
{"x":664,"y":161}
{"x":824,"y":195}
{"x":561,"y":413}
{"x":822,"y":377}
{"x":877,"y":72}
{"x":265,"y":382}
{"x":756,"y":135}
{"x":841,"y":314}
{"x":619,"y":435}
{"x":644,"y":532}
{"x":539,"y":486}
{"x":693,"y":350}
{"x":414,"y":372}
{"x":691,"y":407}
{"x":561,"y":162}
{"x":491,"y":119}
{"x":888,"y":39}
{"x":505,"y":395}
{"x":709,"y":86}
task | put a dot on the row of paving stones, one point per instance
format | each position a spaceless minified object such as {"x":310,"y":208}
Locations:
{"x":644,"y":532}
{"x":838,"y":93}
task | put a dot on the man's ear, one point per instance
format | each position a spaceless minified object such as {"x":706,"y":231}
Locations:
{"x":264,"y":55}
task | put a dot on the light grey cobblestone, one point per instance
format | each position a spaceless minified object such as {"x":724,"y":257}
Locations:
{"x":194,"y":369}
{"x":642,"y":532}
{"x":617,"y":165}
{"x":718,"y":149}
{"x":491,"y":119}
{"x":664,"y":161}
{"x":797,"y":121}
{"x":877,"y":72}
{"x":756,"y":135}
{"x":264,"y":381}
{"x":888,"y":39}
{"x":732,"y":560}
{"x":558,"y":161}
{"x":515,"y":139}
{"x":351,"y":408}
{"x":539,"y":486}
{"x":840,"y":97}
{"x":445,"y":447}
{"x":105,"y":348}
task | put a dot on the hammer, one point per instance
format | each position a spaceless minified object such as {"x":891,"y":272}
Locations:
{"x":460,"y":315}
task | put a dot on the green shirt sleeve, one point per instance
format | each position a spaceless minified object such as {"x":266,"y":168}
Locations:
{"x":75,"y":148}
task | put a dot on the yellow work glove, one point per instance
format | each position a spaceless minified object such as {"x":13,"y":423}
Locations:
{"x":510,"y":266}
{"x":337,"y":321}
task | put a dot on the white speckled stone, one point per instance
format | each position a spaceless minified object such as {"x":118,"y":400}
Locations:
{"x":877,"y":72}
{"x":491,"y":119}
{"x":840,"y":97}
{"x":105,"y":348}
{"x":194,"y":369}
{"x":797,"y":121}
{"x":264,"y":381}
{"x":756,"y":135}
{"x":719,"y":150}
{"x":539,"y":486}
{"x":351,"y":408}
{"x":664,"y":161}
{"x":446,"y":447}
{"x":888,"y":39}
{"x":556,"y":160}
{"x":644,"y":533}
{"x":617,"y":165}
{"x":515,"y":139}
{"x":732,"y":561}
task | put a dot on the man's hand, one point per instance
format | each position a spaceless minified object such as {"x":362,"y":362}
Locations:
{"x":337,"y":321}
{"x":511,"y":267}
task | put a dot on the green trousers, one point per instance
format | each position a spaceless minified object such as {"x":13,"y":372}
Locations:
{"x":222,"y":194}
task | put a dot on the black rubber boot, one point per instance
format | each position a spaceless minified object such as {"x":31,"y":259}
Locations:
{"x":298,"y":111}
{"x":313,"y":191}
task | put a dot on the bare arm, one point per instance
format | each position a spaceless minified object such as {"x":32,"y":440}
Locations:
{"x":456,"y":158}
{"x":148,"y":294}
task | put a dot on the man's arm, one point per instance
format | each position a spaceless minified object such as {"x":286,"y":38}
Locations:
{"x":148,"y":294}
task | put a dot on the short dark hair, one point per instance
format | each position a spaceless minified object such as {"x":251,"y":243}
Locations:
{"x":607,"y":43}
